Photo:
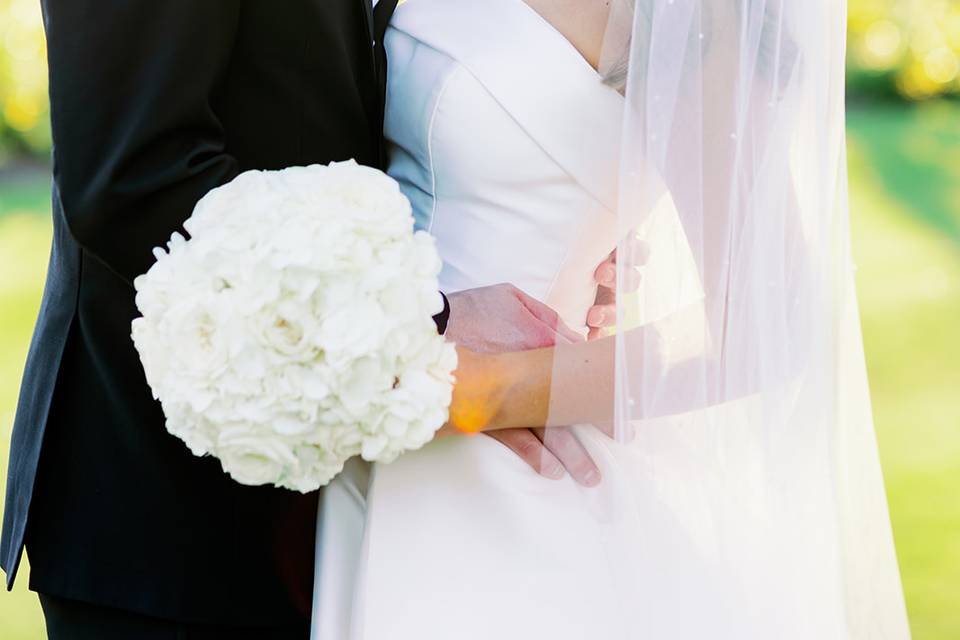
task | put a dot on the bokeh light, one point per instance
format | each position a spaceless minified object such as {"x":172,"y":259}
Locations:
{"x":912,"y":46}
{"x":23,"y":78}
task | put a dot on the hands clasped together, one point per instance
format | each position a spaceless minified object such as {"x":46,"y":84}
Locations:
{"x":501,"y":319}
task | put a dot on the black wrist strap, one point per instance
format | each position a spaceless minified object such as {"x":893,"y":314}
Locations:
{"x":443,"y":317}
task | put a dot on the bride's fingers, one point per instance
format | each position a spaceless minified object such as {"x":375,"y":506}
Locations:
{"x":633,"y":254}
{"x":602,"y":315}
{"x":531,"y":450}
{"x":572,"y":455}
{"x":606,"y":273}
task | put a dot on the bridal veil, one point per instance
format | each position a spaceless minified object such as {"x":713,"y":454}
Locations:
{"x":743,"y":420}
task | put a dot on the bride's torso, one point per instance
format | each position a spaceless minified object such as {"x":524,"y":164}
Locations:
{"x":505,"y":140}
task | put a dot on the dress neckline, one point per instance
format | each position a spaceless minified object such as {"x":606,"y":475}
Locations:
{"x":536,"y":74}
{"x":553,"y":28}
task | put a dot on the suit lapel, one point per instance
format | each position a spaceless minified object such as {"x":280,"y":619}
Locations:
{"x":376,"y":21}
{"x":381,"y":16}
{"x":368,"y":12}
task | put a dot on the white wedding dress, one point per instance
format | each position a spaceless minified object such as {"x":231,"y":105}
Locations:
{"x":506,"y":141}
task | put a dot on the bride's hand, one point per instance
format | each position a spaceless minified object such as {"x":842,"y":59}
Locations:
{"x":603,"y":314}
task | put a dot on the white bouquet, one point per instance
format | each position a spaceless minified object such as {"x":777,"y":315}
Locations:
{"x":294,"y":329}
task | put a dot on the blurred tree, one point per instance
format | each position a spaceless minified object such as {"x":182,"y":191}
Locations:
{"x":24,"y":127}
{"x":909,"y":48}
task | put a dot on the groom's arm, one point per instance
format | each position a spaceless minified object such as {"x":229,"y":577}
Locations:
{"x":136,"y":140}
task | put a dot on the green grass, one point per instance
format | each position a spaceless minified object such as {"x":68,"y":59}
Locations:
{"x":914,"y":151}
{"x":905,"y":186}
{"x":28,"y":193}
{"x":24,"y":247}
{"x":905,"y":209}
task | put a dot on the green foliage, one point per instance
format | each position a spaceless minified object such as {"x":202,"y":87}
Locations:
{"x":24,"y":113}
{"x":24,"y":246}
{"x":909,"y":48}
{"x":905,"y":216}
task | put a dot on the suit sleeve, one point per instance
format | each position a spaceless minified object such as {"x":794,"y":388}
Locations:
{"x":136,"y":140}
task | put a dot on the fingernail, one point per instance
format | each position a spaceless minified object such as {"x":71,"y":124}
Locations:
{"x":608,"y":276}
{"x":591,"y":478}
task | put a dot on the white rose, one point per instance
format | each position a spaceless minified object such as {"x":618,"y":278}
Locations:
{"x":362,"y":384}
{"x":287,"y":329}
{"x":352,"y":331}
{"x":253,"y":459}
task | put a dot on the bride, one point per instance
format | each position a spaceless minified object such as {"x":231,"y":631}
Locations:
{"x":739,"y":494}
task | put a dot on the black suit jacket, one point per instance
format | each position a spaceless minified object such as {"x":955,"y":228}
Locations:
{"x":153,"y":103}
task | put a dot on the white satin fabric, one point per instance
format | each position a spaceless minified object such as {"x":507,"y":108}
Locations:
{"x":507,"y":143}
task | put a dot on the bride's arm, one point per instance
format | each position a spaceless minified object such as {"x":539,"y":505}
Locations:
{"x":574,"y":383}
{"x":543,"y":387}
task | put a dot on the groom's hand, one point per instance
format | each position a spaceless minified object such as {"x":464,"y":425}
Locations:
{"x":503,"y":318}
{"x":551,"y":452}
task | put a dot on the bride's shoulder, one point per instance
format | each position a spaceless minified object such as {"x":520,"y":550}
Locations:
{"x":413,"y":10}
{"x":458,"y":17}
{"x":455,"y":27}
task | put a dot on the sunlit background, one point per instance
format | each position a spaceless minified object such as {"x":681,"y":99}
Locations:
{"x":904,"y":135}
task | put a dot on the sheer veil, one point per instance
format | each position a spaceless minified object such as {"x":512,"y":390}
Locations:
{"x":748,"y":473}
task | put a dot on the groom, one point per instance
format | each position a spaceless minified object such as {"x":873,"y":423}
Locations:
{"x":153,"y":104}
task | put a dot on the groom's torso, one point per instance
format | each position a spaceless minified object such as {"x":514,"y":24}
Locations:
{"x":302,"y":85}
{"x":121,"y":514}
